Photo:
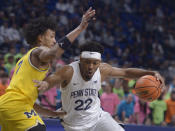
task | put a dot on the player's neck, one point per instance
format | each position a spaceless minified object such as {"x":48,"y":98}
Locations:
{"x":82,"y":74}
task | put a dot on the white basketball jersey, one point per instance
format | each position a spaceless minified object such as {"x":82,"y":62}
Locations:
{"x":80,"y":99}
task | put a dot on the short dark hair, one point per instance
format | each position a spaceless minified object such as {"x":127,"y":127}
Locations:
{"x":38,"y":27}
{"x":92,"y":46}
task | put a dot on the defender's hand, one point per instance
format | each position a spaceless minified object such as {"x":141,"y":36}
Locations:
{"x":42,"y":85}
{"x":86,"y":18}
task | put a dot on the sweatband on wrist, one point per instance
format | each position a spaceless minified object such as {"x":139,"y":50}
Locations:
{"x":91,"y":55}
{"x":64,"y":43}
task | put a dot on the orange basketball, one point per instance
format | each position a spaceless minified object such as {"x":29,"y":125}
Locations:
{"x":147,"y":88}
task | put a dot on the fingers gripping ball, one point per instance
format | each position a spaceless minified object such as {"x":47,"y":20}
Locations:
{"x":148,"y":88}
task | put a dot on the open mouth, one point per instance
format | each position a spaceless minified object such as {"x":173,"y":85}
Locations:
{"x":89,"y":73}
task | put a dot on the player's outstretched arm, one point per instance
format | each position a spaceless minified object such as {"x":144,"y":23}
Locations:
{"x":61,"y":76}
{"x":133,"y":73}
{"x":83,"y":25}
{"x":48,"y":113}
{"x":45,"y":54}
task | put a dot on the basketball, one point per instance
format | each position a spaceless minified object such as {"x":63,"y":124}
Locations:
{"x":147,"y":88}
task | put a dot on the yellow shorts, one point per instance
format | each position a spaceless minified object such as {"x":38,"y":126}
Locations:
{"x":19,"y":119}
{"x":17,"y":116}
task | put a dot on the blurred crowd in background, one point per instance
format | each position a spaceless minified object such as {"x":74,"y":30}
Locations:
{"x":135,"y":33}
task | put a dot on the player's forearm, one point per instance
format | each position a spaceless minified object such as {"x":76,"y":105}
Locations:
{"x":74,"y":34}
{"x":49,"y":54}
{"x":43,"y":111}
{"x":135,"y":73}
{"x":52,"y":81}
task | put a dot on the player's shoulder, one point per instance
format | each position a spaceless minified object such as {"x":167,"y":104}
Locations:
{"x":36,"y":51}
{"x":66,"y":74}
{"x":67,"y":68}
{"x":104,"y":66}
{"x":65,"y":71}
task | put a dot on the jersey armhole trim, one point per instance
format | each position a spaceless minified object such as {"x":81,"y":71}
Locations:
{"x":35,"y":66}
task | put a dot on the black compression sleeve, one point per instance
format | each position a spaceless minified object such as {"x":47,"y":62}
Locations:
{"x":64,"y":43}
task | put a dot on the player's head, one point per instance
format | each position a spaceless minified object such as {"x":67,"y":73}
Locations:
{"x":41,"y":31}
{"x":90,"y":58}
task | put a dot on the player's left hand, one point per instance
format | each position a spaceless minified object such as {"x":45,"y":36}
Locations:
{"x":86,"y":18}
{"x":161,"y":79}
{"x":42,"y":85}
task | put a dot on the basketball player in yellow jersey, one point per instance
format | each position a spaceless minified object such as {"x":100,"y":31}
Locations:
{"x":17,"y":105}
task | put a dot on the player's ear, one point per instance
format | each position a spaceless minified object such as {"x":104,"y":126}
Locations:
{"x":40,"y":37}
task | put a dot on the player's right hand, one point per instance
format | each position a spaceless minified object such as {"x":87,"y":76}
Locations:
{"x":42,"y":85}
{"x":59,"y":114}
{"x":162,"y":81}
{"x":86,"y":18}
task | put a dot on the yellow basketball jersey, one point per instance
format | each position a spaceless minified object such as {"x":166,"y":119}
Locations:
{"x":22,"y":80}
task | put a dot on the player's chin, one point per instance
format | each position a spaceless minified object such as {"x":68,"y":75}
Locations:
{"x":88,"y":77}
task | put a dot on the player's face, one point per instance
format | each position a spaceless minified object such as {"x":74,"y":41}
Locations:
{"x":48,"y":38}
{"x":88,"y":67}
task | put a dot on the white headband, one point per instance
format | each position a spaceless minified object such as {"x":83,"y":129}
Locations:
{"x":93,"y":55}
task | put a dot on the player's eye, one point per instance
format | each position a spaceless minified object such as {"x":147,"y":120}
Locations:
{"x":95,"y":63}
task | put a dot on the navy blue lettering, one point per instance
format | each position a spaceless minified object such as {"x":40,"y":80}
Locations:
{"x":29,"y":114}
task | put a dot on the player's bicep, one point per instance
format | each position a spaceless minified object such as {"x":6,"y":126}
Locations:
{"x":34,"y":56}
{"x":45,"y":54}
{"x":109,"y":71}
{"x":117,"y":72}
{"x":62,"y":74}
{"x":54,"y":79}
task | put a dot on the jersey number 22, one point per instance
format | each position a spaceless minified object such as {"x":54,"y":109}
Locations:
{"x":81,"y":104}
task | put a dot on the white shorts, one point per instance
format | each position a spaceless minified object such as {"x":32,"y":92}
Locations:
{"x":105,"y":123}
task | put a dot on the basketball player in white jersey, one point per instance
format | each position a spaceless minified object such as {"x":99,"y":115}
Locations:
{"x":80,"y":82}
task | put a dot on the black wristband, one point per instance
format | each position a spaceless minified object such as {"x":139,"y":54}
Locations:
{"x":64,"y":43}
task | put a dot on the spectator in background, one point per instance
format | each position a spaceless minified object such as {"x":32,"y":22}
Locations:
{"x":3,"y":83}
{"x":118,"y":88}
{"x":12,"y":51}
{"x":2,"y":71}
{"x":14,"y":35}
{"x":172,"y":123}
{"x":170,"y":107}
{"x":58,"y":99}
{"x":20,"y":54}
{"x":1,"y":61}
{"x":158,"y":109}
{"x":103,"y":84}
{"x":141,"y":112}
{"x":4,"y":33}
{"x":10,"y":63}
{"x":48,"y":99}
{"x":126,"y":109}
{"x":172,"y":86}
{"x":109,"y":100}
{"x":126,"y":88}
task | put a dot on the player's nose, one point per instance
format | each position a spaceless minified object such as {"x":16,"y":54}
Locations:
{"x":54,"y":40}
{"x":90,"y":67}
